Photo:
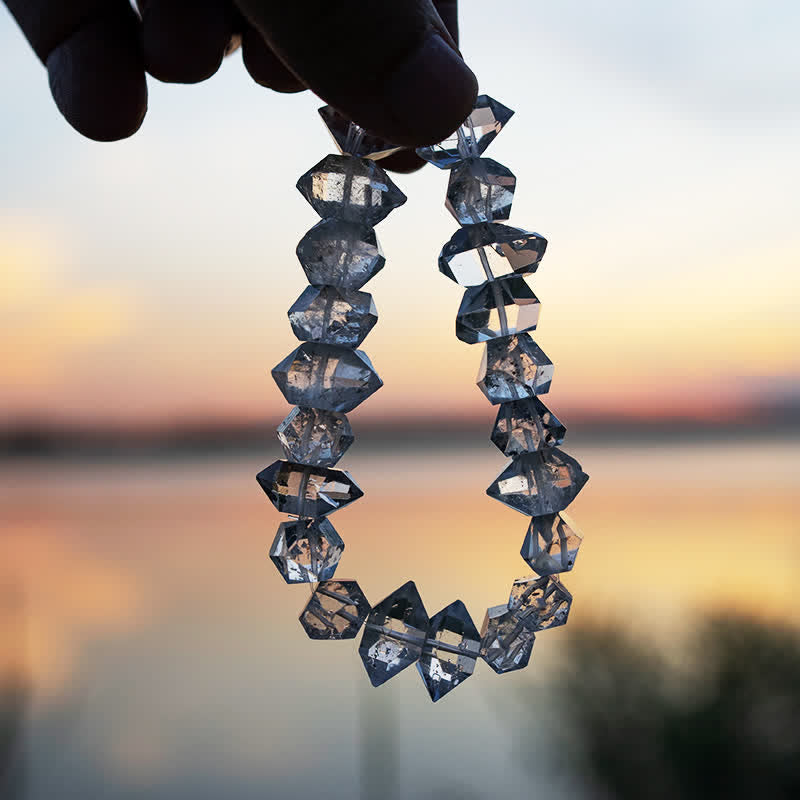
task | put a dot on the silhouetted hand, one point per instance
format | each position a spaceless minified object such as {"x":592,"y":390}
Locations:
{"x":391,"y":65}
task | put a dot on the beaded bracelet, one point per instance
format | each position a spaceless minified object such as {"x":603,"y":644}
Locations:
{"x":326,"y":376}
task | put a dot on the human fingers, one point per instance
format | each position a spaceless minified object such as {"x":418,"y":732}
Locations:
{"x":392,"y":67}
{"x":184,"y":41}
{"x":94,"y":61}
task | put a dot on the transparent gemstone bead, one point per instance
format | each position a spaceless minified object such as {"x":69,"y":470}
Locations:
{"x":480,"y":190}
{"x":497,"y":308}
{"x":306,"y":551}
{"x":394,"y":634}
{"x":355,"y":141}
{"x":540,"y":602}
{"x":338,"y":253}
{"x":313,"y":436}
{"x":524,"y":426}
{"x":489,"y":250}
{"x":350,"y":188}
{"x":336,"y":610}
{"x":535,"y":484}
{"x":551,"y":544}
{"x":305,"y":491}
{"x":326,"y":376}
{"x":473,"y":136}
{"x":450,"y":651}
{"x":332,"y":315}
{"x":506,"y":642}
{"x":514,"y":368}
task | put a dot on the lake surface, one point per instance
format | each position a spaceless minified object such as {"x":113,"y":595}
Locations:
{"x":165,"y":656}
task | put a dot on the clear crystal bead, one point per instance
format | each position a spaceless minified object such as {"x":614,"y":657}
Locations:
{"x":506,"y":642}
{"x":540,"y":602}
{"x":551,"y":544}
{"x":480,"y":190}
{"x":338,"y":253}
{"x":489,"y":250}
{"x":514,"y":368}
{"x":473,"y":136}
{"x":306,"y":551}
{"x":350,"y":188}
{"x":497,"y":308}
{"x":326,"y":376}
{"x":304,"y":491}
{"x":353,"y":140}
{"x":336,"y":610}
{"x":535,"y":484}
{"x":313,"y":436}
{"x":394,"y":634}
{"x":524,"y":426}
{"x":450,"y":651}
{"x":333,"y":316}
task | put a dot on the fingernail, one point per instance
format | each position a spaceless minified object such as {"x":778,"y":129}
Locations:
{"x":431,"y":93}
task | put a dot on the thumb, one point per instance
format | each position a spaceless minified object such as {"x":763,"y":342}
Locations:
{"x":391,"y":65}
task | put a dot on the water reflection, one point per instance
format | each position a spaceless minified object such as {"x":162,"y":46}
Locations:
{"x":167,"y":661}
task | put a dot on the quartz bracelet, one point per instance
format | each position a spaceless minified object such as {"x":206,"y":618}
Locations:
{"x":328,"y":376}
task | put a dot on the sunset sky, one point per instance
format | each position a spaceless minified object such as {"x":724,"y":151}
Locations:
{"x":147,"y":281}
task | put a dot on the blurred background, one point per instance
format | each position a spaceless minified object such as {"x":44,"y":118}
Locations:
{"x":150,"y":649}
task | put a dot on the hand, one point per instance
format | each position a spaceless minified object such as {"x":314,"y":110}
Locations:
{"x":390,"y":65}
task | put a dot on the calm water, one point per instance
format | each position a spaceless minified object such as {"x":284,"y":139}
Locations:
{"x":166,"y":658}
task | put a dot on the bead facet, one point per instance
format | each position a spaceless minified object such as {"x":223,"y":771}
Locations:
{"x":326,"y":376}
{"x":304,"y":491}
{"x":332,"y":315}
{"x":480,"y":190}
{"x":473,"y":136}
{"x":497,"y":308}
{"x":551,"y":544}
{"x":350,"y":188}
{"x":541,"y":603}
{"x":394,"y":634}
{"x":489,"y":250}
{"x":336,"y":610}
{"x":535,"y":484}
{"x":339,"y":253}
{"x":449,"y":655}
{"x":313,"y":436}
{"x":352,"y":140}
{"x":514,"y":368}
{"x":306,"y":551}
{"x":524,"y":426}
{"x":506,"y":642}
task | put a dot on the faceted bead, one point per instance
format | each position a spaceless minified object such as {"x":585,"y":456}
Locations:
{"x":540,"y":603}
{"x":544,"y":482}
{"x":525,"y":426}
{"x":326,"y":376}
{"x":473,"y":136}
{"x":353,"y":140}
{"x":336,"y":610}
{"x":304,"y":491}
{"x":514,"y":368}
{"x":506,"y":642}
{"x":315,"y":437}
{"x":450,"y":651}
{"x":333,"y":316}
{"x":306,"y":551}
{"x":489,"y":250}
{"x":350,"y":188}
{"x":394,"y":634}
{"x":551,"y":544}
{"x":480,"y":190}
{"x":497,"y":308}
{"x":343,"y":254}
